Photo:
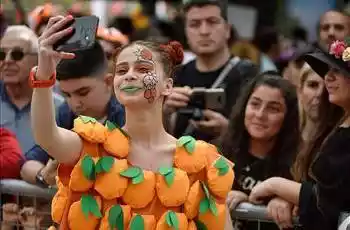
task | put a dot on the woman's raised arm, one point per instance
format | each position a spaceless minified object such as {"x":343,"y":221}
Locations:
{"x":64,"y":145}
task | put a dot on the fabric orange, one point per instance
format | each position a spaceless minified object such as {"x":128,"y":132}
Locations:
{"x":163,"y":223}
{"x":191,"y":162}
{"x":132,"y":195}
{"x":89,"y":129}
{"x":77,"y":220}
{"x":78,"y":182}
{"x":180,"y":184}
{"x":126,"y":218}
{"x":194,"y":198}
{"x":118,"y":149}
{"x":59,"y":202}
{"x":102,"y":180}
{"x":217,"y":183}
{"x":156,"y":208}
{"x":214,"y":222}
{"x":104,"y":184}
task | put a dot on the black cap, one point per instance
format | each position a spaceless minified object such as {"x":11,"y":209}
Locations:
{"x":87,"y":63}
{"x":321,"y":62}
{"x":222,"y":4}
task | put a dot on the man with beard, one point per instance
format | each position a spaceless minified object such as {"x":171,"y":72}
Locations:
{"x":18,"y":54}
{"x":87,"y":87}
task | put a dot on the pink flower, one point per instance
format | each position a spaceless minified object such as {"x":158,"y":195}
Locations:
{"x":337,"y":48}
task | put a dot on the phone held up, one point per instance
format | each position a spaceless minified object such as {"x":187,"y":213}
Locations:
{"x":213,"y":99}
{"x":83,"y":35}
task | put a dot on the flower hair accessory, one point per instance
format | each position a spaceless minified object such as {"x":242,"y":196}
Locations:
{"x":175,"y":50}
{"x":341,"y":49}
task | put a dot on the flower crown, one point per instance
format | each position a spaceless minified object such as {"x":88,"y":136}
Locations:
{"x":341,"y":49}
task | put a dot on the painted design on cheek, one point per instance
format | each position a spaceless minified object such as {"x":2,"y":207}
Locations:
{"x":150,"y":81}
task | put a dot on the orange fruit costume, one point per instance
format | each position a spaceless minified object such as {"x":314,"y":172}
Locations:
{"x":102,"y":191}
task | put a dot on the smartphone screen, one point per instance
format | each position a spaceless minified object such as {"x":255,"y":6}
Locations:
{"x":82,"y":37}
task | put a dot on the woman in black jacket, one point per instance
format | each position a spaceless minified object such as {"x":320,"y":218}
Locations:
{"x":321,"y":202}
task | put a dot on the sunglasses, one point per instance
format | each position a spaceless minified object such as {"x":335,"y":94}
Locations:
{"x":16,"y":54}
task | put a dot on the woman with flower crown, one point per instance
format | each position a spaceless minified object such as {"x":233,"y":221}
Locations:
{"x":322,"y":202}
{"x":138,"y":176}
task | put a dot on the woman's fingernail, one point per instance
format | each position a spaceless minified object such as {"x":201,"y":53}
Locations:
{"x":70,"y":16}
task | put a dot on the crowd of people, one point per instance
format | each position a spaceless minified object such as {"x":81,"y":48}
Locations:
{"x":123,"y":110}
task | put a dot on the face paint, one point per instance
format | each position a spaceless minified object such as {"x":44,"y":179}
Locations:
{"x":150,"y":79}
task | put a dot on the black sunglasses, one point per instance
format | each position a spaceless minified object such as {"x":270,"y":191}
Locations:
{"x":16,"y":54}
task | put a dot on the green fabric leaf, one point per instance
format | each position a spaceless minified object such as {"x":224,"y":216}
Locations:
{"x":174,"y":220}
{"x":87,"y":119}
{"x":131,"y":172}
{"x":138,"y":179}
{"x":223,"y":172}
{"x":88,"y":166}
{"x":89,"y":205}
{"x":187,"y":142}
{"x":222,"y":166}
{"x":110,"y":125}
{"x":165,"y":170}
{"x":168,"y":219}
{"x":190,"y":146}
{"x":221,"y":163}
{"x":116,"y":217}
{"x":98,"y":167}
{"x":137,"y":223}
{"x":206,"y":190}
{"x":94,"y":209}
{"x":182,"y":141}
{"x":107,"y":163}
{"x":204,"y":206}
{"x":212,"y":207}
{"x":85,"y":205}
{"x":200,"y":225}
{"x":169,"y":179}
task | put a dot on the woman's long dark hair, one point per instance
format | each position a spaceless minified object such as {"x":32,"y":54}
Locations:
{"x":236,"y":141}
{"x":329,"y":116}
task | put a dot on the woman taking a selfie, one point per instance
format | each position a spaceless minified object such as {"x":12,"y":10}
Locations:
{"x":321,"y":203}
{"x":138,"y":176}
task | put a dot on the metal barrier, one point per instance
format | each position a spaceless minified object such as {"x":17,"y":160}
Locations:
{"x":18,"y":188}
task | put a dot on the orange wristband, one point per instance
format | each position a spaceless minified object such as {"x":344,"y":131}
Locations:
{"x":34,"y":83}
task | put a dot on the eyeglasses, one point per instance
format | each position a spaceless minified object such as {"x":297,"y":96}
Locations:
{"x":16,"y":54}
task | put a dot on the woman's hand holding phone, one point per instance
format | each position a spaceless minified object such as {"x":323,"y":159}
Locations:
{"x":48,"y":57}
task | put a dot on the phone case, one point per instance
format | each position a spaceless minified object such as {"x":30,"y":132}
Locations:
{"x":82,"y":37}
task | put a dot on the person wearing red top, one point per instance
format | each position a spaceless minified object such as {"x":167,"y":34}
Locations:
{"x":11,"y":156}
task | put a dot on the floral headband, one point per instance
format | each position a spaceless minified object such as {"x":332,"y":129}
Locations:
{"x":341,"y":49}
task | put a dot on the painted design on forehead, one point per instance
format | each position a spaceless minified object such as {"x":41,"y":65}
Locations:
{"x":142,"y":53}
{"x":150,"y":81}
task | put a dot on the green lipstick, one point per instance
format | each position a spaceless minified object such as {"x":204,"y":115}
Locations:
{"x":130,"y":89}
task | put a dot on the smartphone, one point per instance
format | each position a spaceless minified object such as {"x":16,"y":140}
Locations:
{"x":213,"y":99}
{"x":83,"y":35}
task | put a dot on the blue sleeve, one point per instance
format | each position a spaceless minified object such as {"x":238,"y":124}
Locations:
{"x":37,"y":154}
